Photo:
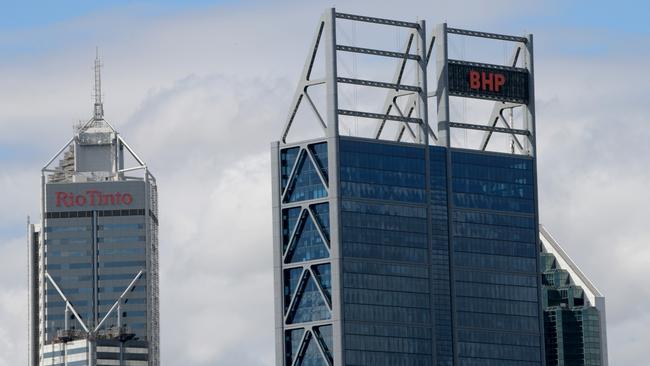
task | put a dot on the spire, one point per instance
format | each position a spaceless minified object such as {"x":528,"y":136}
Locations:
{"x":99,"y":105}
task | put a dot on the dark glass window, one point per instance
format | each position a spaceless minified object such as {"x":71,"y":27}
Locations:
{"x":307,"y":244}
{"x":305,"y":184}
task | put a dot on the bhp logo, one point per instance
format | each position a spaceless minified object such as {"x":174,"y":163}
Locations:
{"x":92,"y":198}
{"x":486,"y":81}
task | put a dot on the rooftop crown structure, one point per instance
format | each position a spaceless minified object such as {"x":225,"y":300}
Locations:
{"x":93,"y":275}
{"x":395,"y":244}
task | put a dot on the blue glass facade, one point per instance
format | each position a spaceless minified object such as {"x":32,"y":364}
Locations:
{"x":495,"y":260}
{"x":438,"y":256}
{"x":305,"y":251}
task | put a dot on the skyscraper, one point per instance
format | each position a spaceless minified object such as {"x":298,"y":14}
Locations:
{"x":574,"y":310}
{"x":93,"y":259}
{"x":408,"y":250}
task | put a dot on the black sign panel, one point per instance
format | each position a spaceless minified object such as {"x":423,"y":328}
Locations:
{"x":474,"y":80}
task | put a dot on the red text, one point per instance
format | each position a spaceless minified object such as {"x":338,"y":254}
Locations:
{"x":92,"y":198}
{"x":486,"y":81}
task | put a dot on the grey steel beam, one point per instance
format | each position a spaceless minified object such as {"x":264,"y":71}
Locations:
{"x":345,"y":112}
{"x":492,"y":66}
{"x":499,"y":106}
{"x":304,"y":81}
{"x":442,"y":92}
{"x":331,"y":72}
{"x":469,"y":126}
{"x":361,"y":18}
{"x":405,"y":126}
{"x":379,"y":84}
{"x":422,"y":101}
{"x":389,"y":102}
{"x":370,"y":51}
{"x":502,"y":37}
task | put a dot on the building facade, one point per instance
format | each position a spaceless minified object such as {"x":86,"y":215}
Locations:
{"x":94,"y":256}
{"x":390,"y":252}
{"x":574,"y":310}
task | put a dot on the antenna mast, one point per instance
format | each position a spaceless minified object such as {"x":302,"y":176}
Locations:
{"x":99,"y":105}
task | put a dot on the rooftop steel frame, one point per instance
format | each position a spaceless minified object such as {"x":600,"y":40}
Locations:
{"x":413,"y":116}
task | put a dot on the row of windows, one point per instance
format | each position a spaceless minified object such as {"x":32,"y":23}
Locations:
{"x":383,"y":192}
{"x":369,"y":251}
{"x":526,"y":222}
{"x":385,"y":298}
{"x":376,"y":313}
{"x":101,"y":277}
{"x":513,"y":249}
{"x":493,"y":232}
{"x":101,"y":213}
{"x":496,"y":278}
{"x":387,"y":344}
{"x":82,"y":303}
{"x":112,"y":264}
{"x":383,"y":222}
{"x":120,"y":239}
{"x":492,"y":174}
{"x":499,"y":189}
{"x":384,"y":237}
{"x":375,"y":176}
{"x":385,"y":283}
{"x":480,"y":201}
{"x":489,"y":291}
{"x":495,"y":262}
{"x":88,"y":290}
{"x":392,"y":269}
{"x":402,"y":151}
{"x":497,"y":306}
{"x":503,"y":161}
{"x":501,"y":352}
{"x":103,"y":227}
{"x":512,"y":323}
{"x":495,"y":337}
{"x":387,"y":330}
{"x":383,"y":209}
{"x":367,"y":358}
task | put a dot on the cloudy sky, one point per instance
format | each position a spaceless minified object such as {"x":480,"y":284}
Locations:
{"x":199,"y":88}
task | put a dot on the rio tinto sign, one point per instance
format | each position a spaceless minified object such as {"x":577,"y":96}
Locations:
{"x":474,"y":80}
{"x":92,"y":197}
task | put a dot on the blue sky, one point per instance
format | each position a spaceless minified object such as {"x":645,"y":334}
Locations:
{"x":627,"y":16}
{"x":20,"y":15}
{"x":213,"y":80}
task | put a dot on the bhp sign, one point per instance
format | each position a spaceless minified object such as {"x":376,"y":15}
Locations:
{"x":92,"y":197}
{"x":481,"y":80}
{"x":485,"y":81}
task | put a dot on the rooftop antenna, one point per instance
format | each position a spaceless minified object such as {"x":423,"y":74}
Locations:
{"x":99,"y":105}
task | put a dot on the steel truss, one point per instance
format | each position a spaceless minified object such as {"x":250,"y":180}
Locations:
{"x":412,"y":116}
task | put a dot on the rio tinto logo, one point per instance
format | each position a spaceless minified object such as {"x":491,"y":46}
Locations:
{"x":92,"y":198}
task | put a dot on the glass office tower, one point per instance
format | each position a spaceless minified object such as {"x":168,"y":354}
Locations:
{"x":408,"y":251}
{"x":574,"y":310}
{"x":93,"y":272}
{"x":405,"y":297}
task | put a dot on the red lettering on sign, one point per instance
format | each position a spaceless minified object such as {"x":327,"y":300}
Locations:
{"x":92,"y":197}
{"x":474,"y":79}
{"x":486,"y":81}
{"x":80,"y":200}
{"x":499,"y":81}
{"x":60,"y":198}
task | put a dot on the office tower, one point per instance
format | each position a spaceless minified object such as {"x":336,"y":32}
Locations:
{"x":574,"y":310}
{"x":402,"y":248}
{"x":93,"y":259}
